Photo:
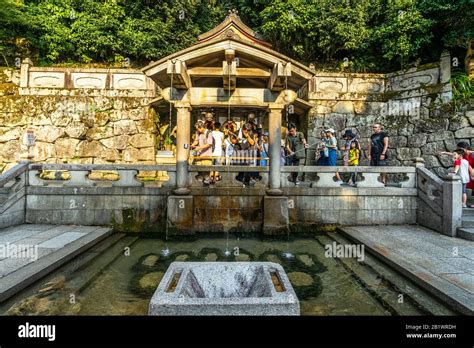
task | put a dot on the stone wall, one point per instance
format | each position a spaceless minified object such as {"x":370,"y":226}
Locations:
{"x":74,"y":121}
{"x":411,"y":105}
{"x":364,"y":207}
{"x":127,"y":209}
{"x":104,"y":115}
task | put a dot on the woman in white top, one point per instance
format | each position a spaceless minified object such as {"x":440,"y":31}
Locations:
{"x":218,"y":137}
{"x":218,"y":142}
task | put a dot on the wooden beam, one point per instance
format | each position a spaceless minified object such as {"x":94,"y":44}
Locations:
{"x":229,"y":54}
{"x":252,"y":62}
{"x":229,"y":75}
{"x":179,"y":73}
{"x":280,"y":74}
{"x":243,"y":73}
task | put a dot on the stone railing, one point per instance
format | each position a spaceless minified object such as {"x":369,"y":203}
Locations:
{"x":411,"y":83}
{"x":367,"y":177}
{"x":228,"y":174}
{"x":12,"y":196}
{"x":93,"y":81}
{"x":80,"y":175}
{"x":316,"y":176}
{"x":439,"y":201}
{"x":71,"y":194}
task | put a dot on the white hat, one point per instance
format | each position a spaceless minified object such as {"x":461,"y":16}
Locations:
{"x":330,"y":130}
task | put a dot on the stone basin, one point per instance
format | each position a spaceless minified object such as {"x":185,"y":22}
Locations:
{"x":224,"y":288}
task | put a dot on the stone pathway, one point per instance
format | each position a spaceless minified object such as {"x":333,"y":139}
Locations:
{"x":29,"y":252}
{"x":440,"y":264}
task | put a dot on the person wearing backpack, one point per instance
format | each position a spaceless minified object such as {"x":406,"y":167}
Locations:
{"x":203,"y":147}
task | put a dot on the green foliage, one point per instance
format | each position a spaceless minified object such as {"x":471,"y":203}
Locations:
{"x":454,"y":20}
{"x":463,"y":89}
{"x":374,"y":35}
{"x":12,"y":27}
{"x":316,"y":29}
{"x":403,"y":32}
{"x":168,"y":140}
{"x":112,"y":30}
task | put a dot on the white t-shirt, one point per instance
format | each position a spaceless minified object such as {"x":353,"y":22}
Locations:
{"x":464,"y":171}
{"x":218,"y":138}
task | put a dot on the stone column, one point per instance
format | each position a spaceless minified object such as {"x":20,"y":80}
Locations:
{"x":275,"y":112}
{"x":445,"y":67}
{"x":24,"y":71}
{"x":183,"y":123}
{"x":452,"y":207}
{"x":419,"y":162}
{"x":445,"y":76}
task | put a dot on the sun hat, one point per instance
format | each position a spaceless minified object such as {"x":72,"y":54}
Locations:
{"x":348,"y":133}
{"x":330,"y":130}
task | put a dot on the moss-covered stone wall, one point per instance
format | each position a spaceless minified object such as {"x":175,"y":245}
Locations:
{"x":74,"y":128}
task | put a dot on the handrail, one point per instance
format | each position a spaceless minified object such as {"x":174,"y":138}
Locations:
{"x":349,"y":169}
{"x":12,"y":173}
{"x":305,"y":169}
{"x":422,"y":171}
{"x":74,"y":167}
{"x":230,"y":168}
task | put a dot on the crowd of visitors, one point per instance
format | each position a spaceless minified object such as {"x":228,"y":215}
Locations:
{"x":246,"y":143}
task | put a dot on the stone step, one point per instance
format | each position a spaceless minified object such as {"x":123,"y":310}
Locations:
{"x":468,"y":212}
{"x":467,"y":221}
{"x":465,"y":233}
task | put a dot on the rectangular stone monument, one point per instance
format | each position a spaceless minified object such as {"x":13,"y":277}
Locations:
{"x":224,"y":288}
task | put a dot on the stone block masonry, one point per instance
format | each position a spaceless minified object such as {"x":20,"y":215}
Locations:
{"x":145,"y":209}
{"x":77,"y":123}
{"x":127,"y":209}
{"x":352,"y":206}
{"x":104,"y":115}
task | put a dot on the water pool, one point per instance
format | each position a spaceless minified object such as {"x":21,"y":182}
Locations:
{"x":119,"y":275}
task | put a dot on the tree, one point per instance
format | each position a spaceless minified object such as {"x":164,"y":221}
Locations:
{"x":453,"y":24}
{"x":12,"y":28}
{"x":403,"y":31}
{"x":323,"y":29}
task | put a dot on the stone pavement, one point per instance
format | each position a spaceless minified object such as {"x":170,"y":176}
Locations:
{"x":29,"y":252}
{"x":442,"y":265}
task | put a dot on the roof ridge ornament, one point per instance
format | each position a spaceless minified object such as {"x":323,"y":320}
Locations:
{"x":233,"y":28}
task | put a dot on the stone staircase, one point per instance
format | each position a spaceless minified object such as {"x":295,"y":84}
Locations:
{"x":466,"y":231}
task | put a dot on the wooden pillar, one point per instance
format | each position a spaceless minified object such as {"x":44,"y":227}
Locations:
{"x":275,"y":114}
{"x":183,"y":138}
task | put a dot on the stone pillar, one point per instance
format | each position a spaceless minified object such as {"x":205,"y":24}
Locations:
{"x":275,"y":215}
{"x":419,"y":162}
{"x":445,"y":76}
{"x":180,"y":215}
{"x":183,"y":123}
{"x":24,"y":71}
{"x":274,"y":139}
{"x":445,"y":67}
{"x":452,"y":207}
